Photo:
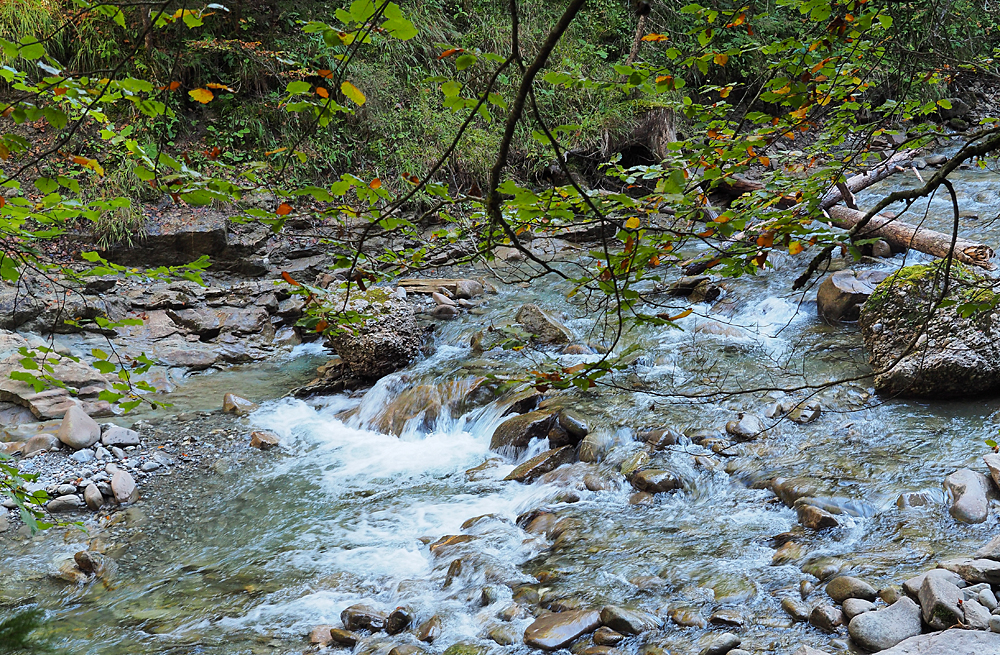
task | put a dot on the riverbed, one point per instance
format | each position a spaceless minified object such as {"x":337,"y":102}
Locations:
{"x":252,"y":554}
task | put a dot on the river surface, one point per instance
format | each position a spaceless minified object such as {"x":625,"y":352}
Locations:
{"x":251,"y":558}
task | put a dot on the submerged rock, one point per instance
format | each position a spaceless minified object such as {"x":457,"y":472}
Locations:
{"x":542,"y":325}
{"x":746,"y":427}
{"x":263,"y":439}
{"x":943,"y":356}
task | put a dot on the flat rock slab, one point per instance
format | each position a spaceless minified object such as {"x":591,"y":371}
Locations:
{"x":875,"y":631}
{"x":554,"y":631}
{"x":841,"y":295}
{"x":948,"y":642}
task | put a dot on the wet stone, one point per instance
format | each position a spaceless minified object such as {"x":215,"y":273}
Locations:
{"x":263,"y":439}
{"x":118,"y":436}
{"x":826,"y":617}
{"x":990,"y":550}
{"x":542,"y":464}
{"x":746,"y":427}
{"x":429,"y":630}
{"x":605,"y":636}
{"x":399,"y":620}
{"x":554,"y":631}
{"x":655,"y":481}
{"x":406,"y":649}
{"x":720,"y":644}
{"x":797,"y":609}
{"x":363,"y":617}
{"x":844,"y":586}
{"x":726,"y":617}
{"x":320,"y":635}
{"x":968,"y":490}
{"x":344,"y":637}
{"x":687,"y":617}
{"x":464,"y":648}
{"x":628,"y":621}
{"x":233,"y":404}
{"x":505,"y":635}
{"x":814,"y":518}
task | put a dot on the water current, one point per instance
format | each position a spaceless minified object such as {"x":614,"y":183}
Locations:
{"x":251,"y":558}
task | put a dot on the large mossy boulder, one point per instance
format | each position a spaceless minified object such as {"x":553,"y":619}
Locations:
{"x":920,"y":347}
{"x":387,"y":340}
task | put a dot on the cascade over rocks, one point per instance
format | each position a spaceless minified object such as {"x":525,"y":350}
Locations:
{"x":940,"y":355}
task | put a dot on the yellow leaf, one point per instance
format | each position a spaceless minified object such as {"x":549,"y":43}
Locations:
{"x":721,"y":59}
{"x":221,"y":87}
{"x":724,"y":92}
{"x":656,"y":37}
{"x":632,"y":223}
{"x":204,"y":96}
{"x":795,"y":248}
{"x":352,"y":93}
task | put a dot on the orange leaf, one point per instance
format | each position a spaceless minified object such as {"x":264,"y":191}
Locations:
{"x":760,"y":259}
{"x":721,"y":59}
{"x":375,"y":184}
{"x":449,"y":52}
{"x":686,"y":312}
{"x":724,"y":93}
{"x":289,"y":279}
{"x":325,"y":74}
{"x":204,"y":96}
{"x":322,"y":325}
{"x":284,"y":209}
{"x":59,"y":91}
{"x":795,"y":248}
{"x":739,"y":20}
{"x":765,"y":161}
{"x":655,"y":37}
{"x":322,"y":93}
{"x":707,"y":233}
{"x":216,"y":85}
{"x":766,"y":240}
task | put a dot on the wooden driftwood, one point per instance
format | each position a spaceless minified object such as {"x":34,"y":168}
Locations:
{"x":903,"y":236}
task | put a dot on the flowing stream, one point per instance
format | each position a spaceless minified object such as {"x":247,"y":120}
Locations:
{"x":251,"y":558}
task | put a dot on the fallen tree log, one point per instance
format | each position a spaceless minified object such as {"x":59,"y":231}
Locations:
{"x":899,"y":235}
{"x":904,"y":236}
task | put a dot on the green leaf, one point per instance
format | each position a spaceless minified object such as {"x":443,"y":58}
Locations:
{"x":298,"y":86}
{"x":944,"y":103}
{"x":465,"y":61}
{"x":104,"y":366}
{"x":46,"y":185}
{"x":31,"y":49}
